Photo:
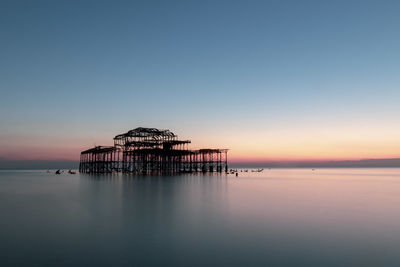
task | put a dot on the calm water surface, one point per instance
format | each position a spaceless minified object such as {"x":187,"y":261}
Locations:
{"x":282,"y":217}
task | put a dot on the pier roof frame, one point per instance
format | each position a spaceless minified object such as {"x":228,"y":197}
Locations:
{"x":147,"y":133}
{"x":212,"y":150}
{"x":99,"y":149}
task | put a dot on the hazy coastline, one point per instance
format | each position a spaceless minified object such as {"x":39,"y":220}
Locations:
{"x":8,"y":164}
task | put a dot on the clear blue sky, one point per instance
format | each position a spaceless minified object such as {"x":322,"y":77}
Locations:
{"x":294,"y":74}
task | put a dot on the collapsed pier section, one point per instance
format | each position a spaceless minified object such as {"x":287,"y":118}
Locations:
{"x":100,"y":159}
{"x":150,"y":150}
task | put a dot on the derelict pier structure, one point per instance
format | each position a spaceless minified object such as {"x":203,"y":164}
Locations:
{"x":150,"y":150}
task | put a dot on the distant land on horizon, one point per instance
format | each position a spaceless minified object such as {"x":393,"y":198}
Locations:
{"x":364,"y":163}
{"x":9,"y":164}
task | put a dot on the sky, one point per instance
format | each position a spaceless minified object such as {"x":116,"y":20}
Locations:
{"x":270,"y":80}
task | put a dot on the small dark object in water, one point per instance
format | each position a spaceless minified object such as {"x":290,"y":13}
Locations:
{"x":236,"y":174}
{"x":71,"y":172}
{"x":58,"y":172}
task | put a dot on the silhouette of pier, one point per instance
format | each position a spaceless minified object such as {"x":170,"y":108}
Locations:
{"x":150,"y":150}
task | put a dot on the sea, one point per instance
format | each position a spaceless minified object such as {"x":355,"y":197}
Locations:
{"x":275,"y":217}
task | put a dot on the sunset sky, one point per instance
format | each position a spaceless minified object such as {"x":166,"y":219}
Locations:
{"x":270,"y":80}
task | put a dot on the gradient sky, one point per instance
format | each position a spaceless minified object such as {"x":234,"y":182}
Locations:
{"x":270,"y":80}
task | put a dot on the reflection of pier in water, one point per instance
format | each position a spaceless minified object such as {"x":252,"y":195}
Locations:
{"x":149,"y":150}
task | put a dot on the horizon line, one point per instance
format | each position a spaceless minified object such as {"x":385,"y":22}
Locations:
{"x":365,"y":163}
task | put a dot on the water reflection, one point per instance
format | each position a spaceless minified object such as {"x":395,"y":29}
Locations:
{"x":329,"y":217}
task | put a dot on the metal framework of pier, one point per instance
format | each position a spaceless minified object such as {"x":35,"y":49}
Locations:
{"x":150,"y":150}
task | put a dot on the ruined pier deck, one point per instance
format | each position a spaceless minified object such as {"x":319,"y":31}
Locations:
{"x":150,"y":150}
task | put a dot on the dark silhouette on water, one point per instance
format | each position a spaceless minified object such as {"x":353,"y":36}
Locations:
{"x":59,"y":171}
{"x":150,"y":150}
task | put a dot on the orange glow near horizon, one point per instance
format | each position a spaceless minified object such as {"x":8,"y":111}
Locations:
{"x":245,"y":145}
{"x":307,"y":143}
